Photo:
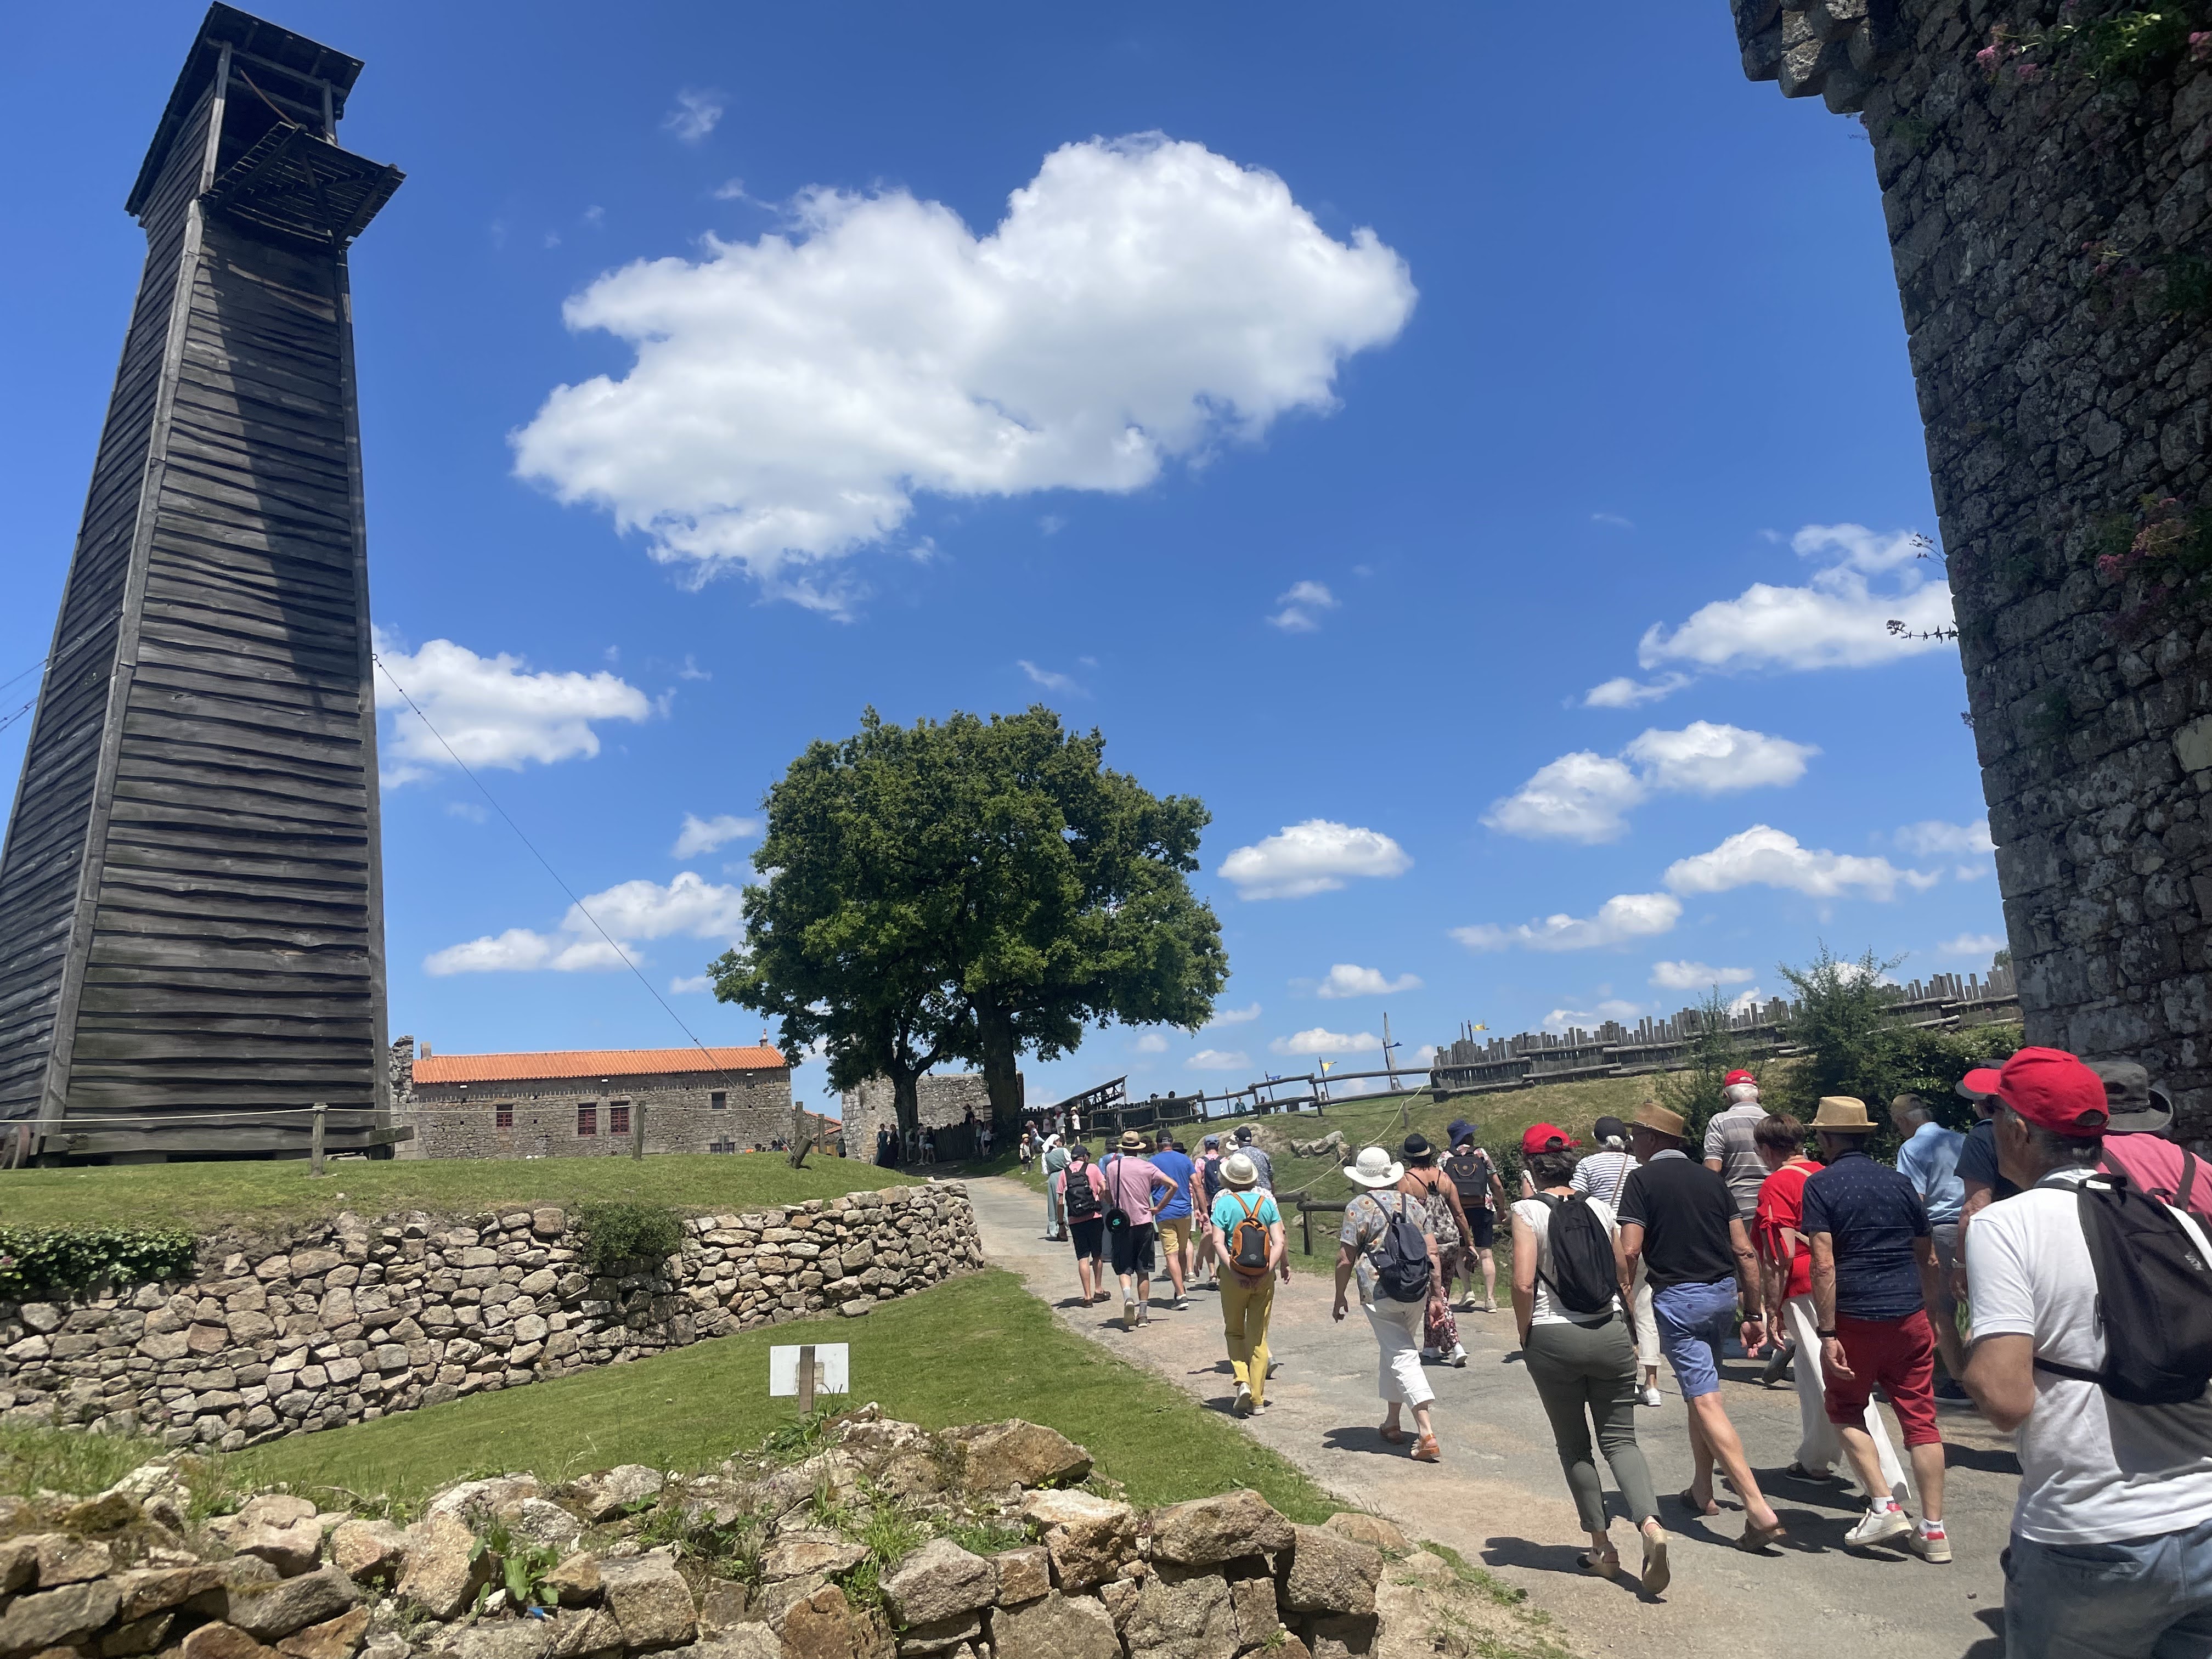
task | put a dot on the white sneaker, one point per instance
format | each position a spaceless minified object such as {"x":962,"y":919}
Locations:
{"x":1651,"y":1396}
{"x":1459,"y":1355}
{"x":1242,"y":1407}
{"x":1879,"y":1526}
{"x":1930,"y":1542}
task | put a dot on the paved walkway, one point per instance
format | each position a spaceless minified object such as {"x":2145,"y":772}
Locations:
{"x":1499,"y":1497}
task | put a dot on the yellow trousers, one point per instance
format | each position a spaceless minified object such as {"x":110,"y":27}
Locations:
{"x":1244,"y":1310}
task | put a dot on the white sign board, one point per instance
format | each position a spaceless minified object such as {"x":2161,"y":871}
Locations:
{"x":831,"y":1374}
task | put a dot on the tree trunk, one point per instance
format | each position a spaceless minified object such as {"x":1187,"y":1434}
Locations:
{"x":801,"y":1136}
{"x":906,"y":1107}
{"x":1002,"y":1076}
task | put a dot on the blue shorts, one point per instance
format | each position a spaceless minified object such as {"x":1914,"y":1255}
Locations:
{"x":1693,"y":1320}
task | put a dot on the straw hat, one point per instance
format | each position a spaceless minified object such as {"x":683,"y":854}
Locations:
{"x":1131,"y":1141}
{"x":1238,"y":1171}
{"x":1654,"y":1116}
{"x":1375,"y":1167}
{"x":1842,"y":1114}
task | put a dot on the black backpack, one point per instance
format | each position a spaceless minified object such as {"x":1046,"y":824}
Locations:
{"x":1401,"y":1266}
{"x":1583,"y":1278}
{"x":1470,"y":1173}
{"x":2153,"y":1298}
{"x":1117,"y":1219}
{"x":1082,"y":1198}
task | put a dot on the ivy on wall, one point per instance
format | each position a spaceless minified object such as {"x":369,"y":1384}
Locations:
{"x":37,"y":1263}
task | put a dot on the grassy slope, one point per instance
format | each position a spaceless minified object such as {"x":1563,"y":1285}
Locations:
{"x":210,"y":1197}
{"x":974,"y":1350}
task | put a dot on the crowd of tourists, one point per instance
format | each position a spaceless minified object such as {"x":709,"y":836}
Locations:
{"x":2050,"y":1269}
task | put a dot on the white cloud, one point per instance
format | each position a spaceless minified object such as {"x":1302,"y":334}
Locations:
{"x":1232,"y":1016}
{"x":1613,"y":519}
{"x":1706,"y":759}
{"x":1045,"y":676}
{"x":1216,"y":1059}
{"x":1314,"y":857}
{"x":1623,"y":917}
{"x":1150,"y":1043}
{"x":1972,"y":946}
{"x":467,"y":810}
{"x":689,"y":906}
{"x":1299,"y":605}
{"x":698,"y":111}
{"x":1142,"y":300}
{"x":494,"y":711}
{"x":1745,"y":1002}
{"x":692,"y":984}
{"x":1319,"y":1040}
{"x":1837,"y":620}
{"x":1348,"y":980}
{"x":1695,"y":975}
{"x":1585,"y":796}
{"x":1932,"y":837}
{"x":1559,"y":1020}
{"x":700,"y":834}
{"x":1624,"y":692}
{"x":1766,"y":857}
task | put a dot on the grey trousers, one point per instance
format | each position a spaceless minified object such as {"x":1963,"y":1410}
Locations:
{"x":1586,"y":1374}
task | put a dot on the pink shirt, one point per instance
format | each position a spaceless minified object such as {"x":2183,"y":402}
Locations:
{"x":2154,"y":1164}
{"x":1130,"y":1182}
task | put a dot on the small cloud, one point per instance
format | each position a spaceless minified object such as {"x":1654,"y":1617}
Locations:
{"x":1319,"y":1040}
{"x":1695,"y":975}
{"x":709,"y":835}
{"x":731,"y":189}
{"x":1051,"y":524}
{"x":1746,"y":1002}
{"x":1314,"y":857}
{"x":697,"y":112}
{"x":691,"y":671}
{"x":1150,"y":1043}
{"x":1626,"y":693}
{"x":552,"y":239}
{"x":498,"y":231}
{"x":1932,"y":837}
{"x":1300,"y":605}
{"x":595,"y":216}
{"x":1047,"y":678}
{"x":1217,"y":1060}
{"x":1613,"y":519}
{"x":468,"y":810}
{"x":1087,"y":662}
{"x":1346,"y":979}
{"x":696,"y":983}
{"x":1561,"y":1019}
{"x":1970,"y":947}
{"x":1232,"y":1016}
{"x":1620,"y":919}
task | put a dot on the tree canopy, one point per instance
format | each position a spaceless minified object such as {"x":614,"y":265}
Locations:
{"x":969,"y":889}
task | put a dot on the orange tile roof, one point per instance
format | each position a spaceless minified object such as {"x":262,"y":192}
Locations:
{"x":592,"y":1063}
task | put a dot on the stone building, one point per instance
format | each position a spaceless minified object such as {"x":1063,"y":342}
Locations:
{"x":944,"y":1102}
{"x":2046,"y":189}
{"x":587,"y":1103}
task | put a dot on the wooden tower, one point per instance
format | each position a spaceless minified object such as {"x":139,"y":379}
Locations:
{"x":191,"y":949}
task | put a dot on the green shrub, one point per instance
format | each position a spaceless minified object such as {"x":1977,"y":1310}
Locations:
{"x":622,"y":1237}
{"x":44,"y":1261}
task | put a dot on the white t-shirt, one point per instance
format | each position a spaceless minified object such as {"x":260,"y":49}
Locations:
{"x":2093,"y":1470}
{"x":1537,"y":1215}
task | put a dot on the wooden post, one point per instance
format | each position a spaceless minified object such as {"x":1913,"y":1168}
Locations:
{"x":1305,"y":1228}
{"x":315,"y":1139}
{"x":806,"y":1381}
{"x":637,"y":1128}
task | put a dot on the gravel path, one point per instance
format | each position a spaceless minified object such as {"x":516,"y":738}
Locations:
{"x":1499,"y":1498}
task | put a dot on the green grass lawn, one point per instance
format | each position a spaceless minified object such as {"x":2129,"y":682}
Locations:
{"x":267,"y":1195}
{"x":974,"y":1350}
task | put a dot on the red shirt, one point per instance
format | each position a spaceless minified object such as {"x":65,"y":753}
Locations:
{"x":1782,"y":1205}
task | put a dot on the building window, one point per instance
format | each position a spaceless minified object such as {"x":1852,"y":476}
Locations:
{"x":588,"y":1120}
{"x":721,"y":1145}
{"x":618,"y":1117}
{"x":718,"y":1102}
{"x":503,"y":1115}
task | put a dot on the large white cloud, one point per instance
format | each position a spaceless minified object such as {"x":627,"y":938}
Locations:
{"x":1763,"y":856}
{"x":689,"y":907}
{"x":1696,"y":976}
{"x":1621,"y":919}
{"x":1319,"y":1040}
{"x":1586,"y":797}
{"x":1142,"y":300}
{"x":1317,"y":856}
{"x":1348,"y":979}
{"x":493,"y":710}
{"x":1839,"y":619}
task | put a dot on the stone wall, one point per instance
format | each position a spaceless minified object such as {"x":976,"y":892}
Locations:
{"x":2050,"y":224}
{"x":944,"y":1098}
{"x":357,"y":1318}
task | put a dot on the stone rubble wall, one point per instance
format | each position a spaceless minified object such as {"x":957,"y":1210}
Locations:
{"x":356,"y":1318}
{"x":2050,"y":227}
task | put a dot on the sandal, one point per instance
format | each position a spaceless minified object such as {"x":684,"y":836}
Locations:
{"x":1757,"y":1538}
{"x":1799,"y":1471}
{"x":1426,"y":1451}
{"x":1600,"y":1566}
{"x":1656,"y":1576}
{"x":1690,"y":1501}
{"x":1395,"y":1437}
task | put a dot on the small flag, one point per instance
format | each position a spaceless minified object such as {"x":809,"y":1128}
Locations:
{"x":1482,"y":1028}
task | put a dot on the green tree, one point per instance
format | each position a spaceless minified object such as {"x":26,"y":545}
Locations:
{"x":971,"y":889}
{"x":1715,"y":1051}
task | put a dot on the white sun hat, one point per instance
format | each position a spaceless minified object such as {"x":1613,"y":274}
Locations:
{"x":1375,"y":1167}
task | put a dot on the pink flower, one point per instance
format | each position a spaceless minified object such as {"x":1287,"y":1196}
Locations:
{"x":2200,"y":46}
{"x":1987,"y":58}
{"x":2027,"y":73}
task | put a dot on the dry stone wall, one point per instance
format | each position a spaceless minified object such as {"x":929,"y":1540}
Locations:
{"x":358,"y":1318}
{"x":2049,"y":216}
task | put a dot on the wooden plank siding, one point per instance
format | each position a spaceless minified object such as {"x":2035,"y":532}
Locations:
{"x":190,"y":925}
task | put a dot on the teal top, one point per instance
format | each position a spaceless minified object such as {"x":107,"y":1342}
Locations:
{"x":1231,"y":1208}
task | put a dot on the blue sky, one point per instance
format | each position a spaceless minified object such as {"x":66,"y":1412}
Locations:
{"x":1344,"y":399}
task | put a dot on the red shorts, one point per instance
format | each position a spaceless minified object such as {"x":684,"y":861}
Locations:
{"x":1898,"y":1357}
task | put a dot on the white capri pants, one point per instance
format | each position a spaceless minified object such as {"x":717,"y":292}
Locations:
{"x":1647,"y":1325}
{"x":1818,"y":1445}
{"x":1398,"y":1334}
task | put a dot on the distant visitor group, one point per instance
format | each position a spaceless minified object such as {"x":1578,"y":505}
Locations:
{"x":2068,"y":1228}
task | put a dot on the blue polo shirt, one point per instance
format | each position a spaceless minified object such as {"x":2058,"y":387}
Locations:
{"x":1177,"y":1167}
{"x":1871,"y":1215}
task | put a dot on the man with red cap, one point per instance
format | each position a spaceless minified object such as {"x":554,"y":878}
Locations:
{"x":1731,"y":1152}
{"x":2111,"y":1538}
